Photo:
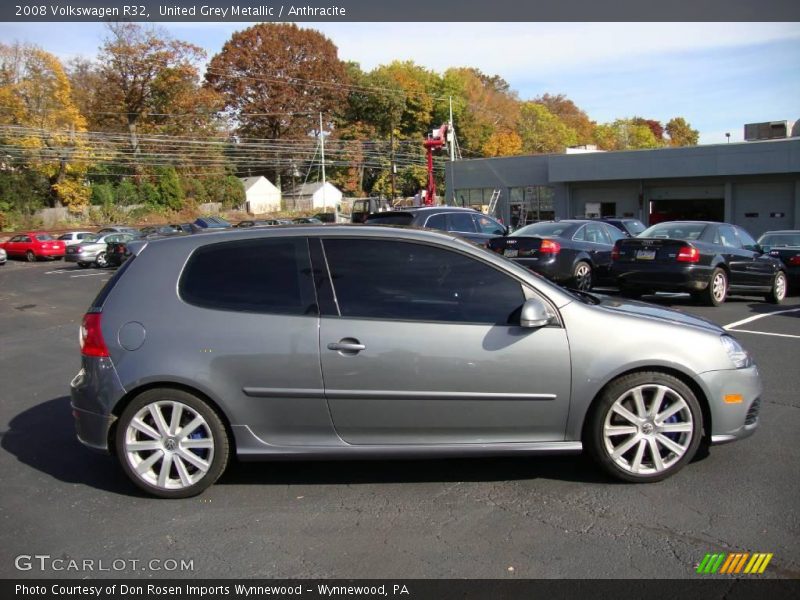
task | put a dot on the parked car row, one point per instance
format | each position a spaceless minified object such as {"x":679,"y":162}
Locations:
{"x":709,"y":260}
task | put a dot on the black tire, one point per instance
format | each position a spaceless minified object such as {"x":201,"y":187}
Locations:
{"x":30,"y":256}
{"x":777,"y":294}
{"x":648,"y":433}
{"x":582,"y":276}
{"x":100,"y":261}
{"x":717,"y":290}
{"x":211,"y":431}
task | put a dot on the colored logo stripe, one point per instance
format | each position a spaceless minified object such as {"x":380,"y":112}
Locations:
{"x":733,"y":563}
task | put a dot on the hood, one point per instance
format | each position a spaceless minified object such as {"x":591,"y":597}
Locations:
{"x":653,"y":311}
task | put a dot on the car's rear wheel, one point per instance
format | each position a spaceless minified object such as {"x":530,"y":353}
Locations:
{"x":717,"y":290}
{"x":171,"y":444}
{"x":644,"y":427}
{"x":582,"y":276}
{"x":30,"y":256}
{"x":101,"y":260}
{"x":778,"y":291}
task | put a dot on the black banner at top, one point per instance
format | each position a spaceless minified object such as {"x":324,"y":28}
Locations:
{"x":445,"y":11}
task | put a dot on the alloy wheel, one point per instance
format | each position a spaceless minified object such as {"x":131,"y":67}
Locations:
{"x":169,"y":445}
{"x":719,"y":286}
{"x":583,"y":276}
{"x":648,"y":429}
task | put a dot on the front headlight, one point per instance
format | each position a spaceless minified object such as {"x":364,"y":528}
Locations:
{"x":739,"y":356}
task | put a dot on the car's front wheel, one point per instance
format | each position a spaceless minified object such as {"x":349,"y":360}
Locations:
{"x":101,"y":260}
{"x":778,"y":291}
{"x":644,"y":427}
{"x":171,"y":444}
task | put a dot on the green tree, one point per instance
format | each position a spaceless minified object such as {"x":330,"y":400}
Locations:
{"x":681,"y":133}
{"x":102,"y":194}
{"x":169,"y":187}
{"x":569,"y":114}
{"x":542,"y":132}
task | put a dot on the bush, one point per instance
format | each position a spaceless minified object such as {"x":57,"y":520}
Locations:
{"x":102,"y":194}
{"x":169,"y":187}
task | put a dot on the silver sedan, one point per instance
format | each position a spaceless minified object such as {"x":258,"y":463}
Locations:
{"x":91,"y":250}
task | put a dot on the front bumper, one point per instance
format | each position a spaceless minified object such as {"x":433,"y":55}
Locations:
{"x":738,"y":419}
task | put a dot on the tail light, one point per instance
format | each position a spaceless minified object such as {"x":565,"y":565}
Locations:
{"x":688,"y":254}
{"x":615,"y":253}
{"x":549,"y":247}
{"x":91,"y":336}
{"x":795,"y":260}
{"x":78,"y":249}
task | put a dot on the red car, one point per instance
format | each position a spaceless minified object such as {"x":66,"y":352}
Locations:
{"x":34,"y":245}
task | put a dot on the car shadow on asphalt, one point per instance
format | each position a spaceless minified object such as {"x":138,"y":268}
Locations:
{"x":575,"y":468}
{"x":43,"y":437}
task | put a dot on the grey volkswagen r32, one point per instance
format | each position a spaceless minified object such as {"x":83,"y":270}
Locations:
{"x":371,"y":342}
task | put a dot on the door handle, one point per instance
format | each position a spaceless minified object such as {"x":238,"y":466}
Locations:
{"x":347,"y":346}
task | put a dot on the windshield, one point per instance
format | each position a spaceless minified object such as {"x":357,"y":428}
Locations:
{"x":390,"y":219}
{"x":635,"y":227}
{"x":675,"y":230}
{"x":780,"y":240}
{"x":542,"y":229}
{"x":88,"y":239}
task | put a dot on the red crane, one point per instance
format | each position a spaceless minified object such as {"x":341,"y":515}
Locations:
{"x":435,"y":141}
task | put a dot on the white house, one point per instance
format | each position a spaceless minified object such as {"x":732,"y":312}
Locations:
{"x":312,"y":196}
{"x":260,"y":195}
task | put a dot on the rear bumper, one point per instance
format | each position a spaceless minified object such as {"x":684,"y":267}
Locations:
{"x":547,"y":267}
{"x":688,"y":278}
{"x":95,"y":391}
{"x":82,"y":257}
{"x":50,"y":252}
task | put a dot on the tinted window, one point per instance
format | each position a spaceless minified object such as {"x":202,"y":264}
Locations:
{"x":65,"y":237}
{"x":408,"y":281}
{"x":488,"y":225}
{"x":778,"y":240}
{"x":596,"y":234}
{"x":614,"y":234}
{"x":390,"y":219}
{"x":548,"y":229}
{"x":675,"y":230}
{"x":265,"y":276}
{"x":460,"y":222}
{"x":437,"y":222}
{"x":580,"y":235}
{"x":726,"y":236}
{"x":746,"y":239}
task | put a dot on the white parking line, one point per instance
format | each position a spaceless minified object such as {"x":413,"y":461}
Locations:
{"x":757,"y":317}
{"x":87,"y":275}
{"x":786,"y":335}
{"x":58,"y":271}
{"x":732,"y":326}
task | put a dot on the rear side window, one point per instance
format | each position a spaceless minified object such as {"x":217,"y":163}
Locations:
{"x":390,"y":219}
{"x":264,"y":276}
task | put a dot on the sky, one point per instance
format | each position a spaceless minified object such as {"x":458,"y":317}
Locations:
{"x":718,"y":76}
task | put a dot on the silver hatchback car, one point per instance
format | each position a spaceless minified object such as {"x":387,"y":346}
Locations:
{"x":358,"y":341}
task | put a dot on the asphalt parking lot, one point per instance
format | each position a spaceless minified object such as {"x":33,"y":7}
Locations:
{"x":489,"y":518}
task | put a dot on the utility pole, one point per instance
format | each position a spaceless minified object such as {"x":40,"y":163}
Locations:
{"x":394,"y":166}
{"x":451,"y":133}
{"x":322,"y":146}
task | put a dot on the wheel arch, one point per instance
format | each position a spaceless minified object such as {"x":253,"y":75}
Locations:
{"x":129,"y":397}
{"x":683,"y":377}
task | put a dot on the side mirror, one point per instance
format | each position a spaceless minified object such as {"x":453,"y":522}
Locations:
{"x":535,"y":314}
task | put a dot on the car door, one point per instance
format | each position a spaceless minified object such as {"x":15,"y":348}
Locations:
{"x":424,"y":347}
{"x":16,"y":245}
{"x":761,"y":269}
{"x":600,"y":243}
{"x":739,"y":260}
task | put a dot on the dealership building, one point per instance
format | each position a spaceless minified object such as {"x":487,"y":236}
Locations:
{"x":755,"y":184}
